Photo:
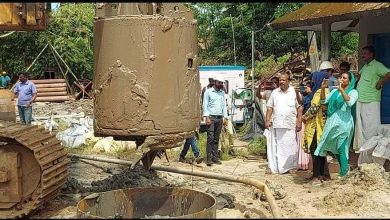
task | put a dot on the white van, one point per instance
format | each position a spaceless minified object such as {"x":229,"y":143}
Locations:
{"x":234,"y":79}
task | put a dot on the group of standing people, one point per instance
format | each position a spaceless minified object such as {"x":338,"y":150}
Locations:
{"x":325,"y":112}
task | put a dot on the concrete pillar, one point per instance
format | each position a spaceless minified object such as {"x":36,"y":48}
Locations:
{"x":325,"y":41}
{"x":313,"y":52}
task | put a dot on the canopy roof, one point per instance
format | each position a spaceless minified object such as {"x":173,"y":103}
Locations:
{"x":343,"y":16}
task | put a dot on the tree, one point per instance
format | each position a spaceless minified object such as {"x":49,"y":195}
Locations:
{"x":215,"y":31}
{"x":70,"y":31}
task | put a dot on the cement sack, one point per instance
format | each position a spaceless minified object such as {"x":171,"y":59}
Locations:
{"x":106,"y":144}
{"x":370,"y":144}
{"x":50,"y":125}
{"x":74,"y":136}
{"x":383,"y":149}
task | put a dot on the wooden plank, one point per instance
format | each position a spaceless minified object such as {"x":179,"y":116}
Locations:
{"x":51,"y":85}
{"x":58,"y":89}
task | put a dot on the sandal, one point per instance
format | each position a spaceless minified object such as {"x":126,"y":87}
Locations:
{"x":316,"y":181}
{"x":293,"y":171}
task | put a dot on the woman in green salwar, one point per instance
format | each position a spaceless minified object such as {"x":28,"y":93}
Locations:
{"x":339,"y":125}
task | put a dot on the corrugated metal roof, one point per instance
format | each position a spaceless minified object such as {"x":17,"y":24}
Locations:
{"x":317,"y":13}
{"x":219,"y":68}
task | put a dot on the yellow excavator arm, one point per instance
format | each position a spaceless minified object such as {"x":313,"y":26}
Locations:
{"x":22,"y":16}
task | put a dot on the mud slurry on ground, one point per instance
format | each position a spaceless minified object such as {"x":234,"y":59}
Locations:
{"x":99,"y":181}
{"x":129,"y":178}
{"x":354,"y":193}
{"x":85,"y":179}
{"x":364,"y":193}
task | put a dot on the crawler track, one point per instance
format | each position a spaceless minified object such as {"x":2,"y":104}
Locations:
{"x":40,"y":181}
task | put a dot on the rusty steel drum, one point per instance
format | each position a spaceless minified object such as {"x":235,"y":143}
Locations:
{"x":146,"y":80}
{"x":152,"y":202}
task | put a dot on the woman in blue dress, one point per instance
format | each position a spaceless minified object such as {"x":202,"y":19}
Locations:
{"x":339,"y":125}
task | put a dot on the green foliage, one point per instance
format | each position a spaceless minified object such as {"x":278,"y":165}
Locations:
{"x":344,"y":44}
{"x":215,"y":32}
{"x":283,"y":59}
{"x":202,"y":144}
{"x":70,"y":31}
{"x":257,"y":146}
{"x":270,"y":65}
{"x":72,"y":34}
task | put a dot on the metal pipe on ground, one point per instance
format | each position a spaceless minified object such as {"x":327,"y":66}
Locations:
{"x":52,"y":99}
{"x":245,"y":180}
{"x":51,"y":85}
{"x":58,"y":89}
{"x":107,"y":170}
{"x":48,"y":81}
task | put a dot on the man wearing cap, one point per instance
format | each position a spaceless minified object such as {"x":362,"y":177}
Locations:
{"x":215,"y":114}
{"x":326,"y":69}
{"x":373,"y":75}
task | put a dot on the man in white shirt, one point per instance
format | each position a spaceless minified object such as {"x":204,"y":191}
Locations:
{"x":282,"y":146}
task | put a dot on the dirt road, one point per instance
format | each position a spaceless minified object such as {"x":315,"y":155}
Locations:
{"x":365,"y":193}
{"x":361,"y":195}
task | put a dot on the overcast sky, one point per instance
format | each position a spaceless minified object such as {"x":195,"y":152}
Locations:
{"x":54,"y":5}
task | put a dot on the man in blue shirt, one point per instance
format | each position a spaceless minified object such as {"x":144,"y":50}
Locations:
{"x":215,"y":113}
{"x":27,"y":93}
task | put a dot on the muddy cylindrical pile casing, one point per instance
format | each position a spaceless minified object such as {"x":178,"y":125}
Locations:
{"x":157,"y":202}
{"x":146,"y":80}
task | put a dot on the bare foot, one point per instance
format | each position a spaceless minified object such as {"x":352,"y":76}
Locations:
{"x":268,"y":171}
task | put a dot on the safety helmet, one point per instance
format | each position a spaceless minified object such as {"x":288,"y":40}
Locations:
{"x":219,"y":78}
{"x":326,"y":65}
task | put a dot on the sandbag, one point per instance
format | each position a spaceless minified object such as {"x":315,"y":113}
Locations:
{"x":370,"y":144}
{"x":74,"y":136}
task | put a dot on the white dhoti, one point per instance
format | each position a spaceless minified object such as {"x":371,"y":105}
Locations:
{"x":368,"y":120}
{"x":282,"y":149}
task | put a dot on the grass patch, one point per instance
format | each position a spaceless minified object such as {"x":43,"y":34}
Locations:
{"x":243,"y":130}
{"x":242,"y":153}
{"x":225,"y":156}
{"x":257,"y":146}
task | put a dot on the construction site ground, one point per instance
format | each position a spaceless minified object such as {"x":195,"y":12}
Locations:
{"x":364,"y":193}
